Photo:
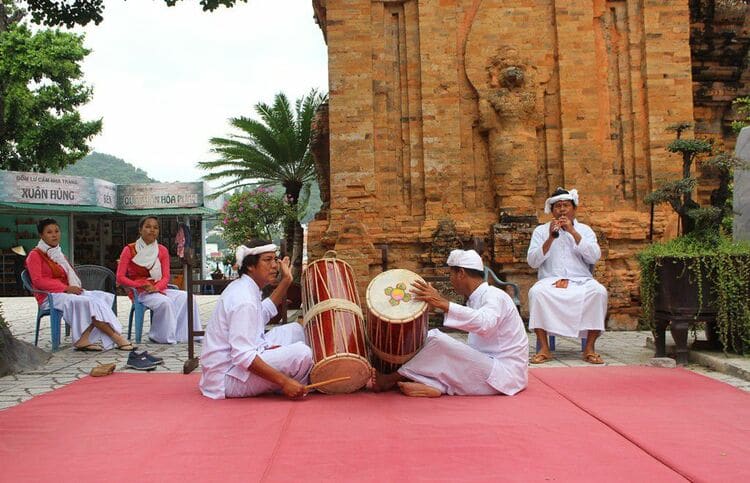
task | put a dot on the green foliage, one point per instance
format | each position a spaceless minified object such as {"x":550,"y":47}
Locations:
{"x":40,"y":92}
{"x":678,"y":193}
{"x":109,"y":168}
{"x":724,"y":263}
{"x":742,"y":107}
{"x":257,"y":213}
{"x":275,"y":149}
{"x":671,"y":190}
{"x":689,"y":146}
{"x":69,"y":13}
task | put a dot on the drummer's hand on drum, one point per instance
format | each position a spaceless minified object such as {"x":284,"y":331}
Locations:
{"x":293,"y":389}
{"x":427,"y":293}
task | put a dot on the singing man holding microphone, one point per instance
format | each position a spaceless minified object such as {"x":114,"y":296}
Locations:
{"x":566,"y":300}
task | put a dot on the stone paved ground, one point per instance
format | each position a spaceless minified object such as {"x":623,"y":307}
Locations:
{"x":67,"y":365}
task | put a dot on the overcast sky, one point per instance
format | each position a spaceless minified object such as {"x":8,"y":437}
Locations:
{"x":166,"y":79}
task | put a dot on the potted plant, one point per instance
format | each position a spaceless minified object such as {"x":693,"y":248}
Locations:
{"x":700,"y":276}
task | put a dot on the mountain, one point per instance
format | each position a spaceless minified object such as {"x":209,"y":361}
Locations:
{"x":109,"y":168}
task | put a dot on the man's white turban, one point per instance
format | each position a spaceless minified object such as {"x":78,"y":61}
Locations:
{"x":465,"y":259}
{"x":243,"y":251}
{"x":572,"y":195}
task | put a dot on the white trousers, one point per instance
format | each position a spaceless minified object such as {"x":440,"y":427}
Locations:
{"x":169,"y":316}
{"x":293,"y":358}
{"x":569,"y":312}
{"x":79,"y":310}
{"x":450,"y":366}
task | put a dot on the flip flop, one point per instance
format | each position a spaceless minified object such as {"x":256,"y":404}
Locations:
{"x":127,"y":347}
{"x":593,"y":358}
{"x":540,"y":358}
{"x":90,"y":348}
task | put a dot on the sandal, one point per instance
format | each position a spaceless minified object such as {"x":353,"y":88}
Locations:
{"x":540,"y":358}
{"x":127,"y":347}
{"x":593,"y":358}
{"x":103,"y":370}
{"x":89,"y":348}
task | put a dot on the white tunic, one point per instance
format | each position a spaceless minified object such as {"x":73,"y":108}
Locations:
{"x":78,"y":310}
{"x":235,"y":336}
{"x":170,"y":316}
{"x":580,"y":307}
{"x":495,"y":360}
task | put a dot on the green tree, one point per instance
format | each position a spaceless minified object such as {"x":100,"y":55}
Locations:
{"x":40,"y":92}
{"x":274,"y":150}
{"x":256,"y":213}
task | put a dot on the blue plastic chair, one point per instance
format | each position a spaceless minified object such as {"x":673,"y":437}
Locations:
{"x":496,"y":281}
{"x":55,"y":316}
{"x":138,"y":312}
{"x":552,"y":343}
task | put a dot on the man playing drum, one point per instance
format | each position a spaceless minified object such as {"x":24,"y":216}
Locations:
{"x":495,"y":360}
{"x":566,"y":300}
{"x":239,"y":358}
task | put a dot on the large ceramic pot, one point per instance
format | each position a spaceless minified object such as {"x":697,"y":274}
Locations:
{"x":678,"y":291}
{"x":682,"y":297}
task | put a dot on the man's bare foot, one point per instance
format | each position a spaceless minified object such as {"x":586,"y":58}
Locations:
{"x":385,"y":382}
{"x":417,"y":389}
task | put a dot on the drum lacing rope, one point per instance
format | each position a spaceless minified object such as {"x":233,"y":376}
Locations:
{"x":341,"y":304}
{"x":391,"y":358}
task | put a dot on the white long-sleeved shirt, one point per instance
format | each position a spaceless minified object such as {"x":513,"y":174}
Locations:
{"x":564,"y":259}
{"x":235,"y":335}
{"x":496,"y":329}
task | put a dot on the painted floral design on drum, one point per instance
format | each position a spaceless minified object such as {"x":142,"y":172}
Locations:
{"x":397,"y":294}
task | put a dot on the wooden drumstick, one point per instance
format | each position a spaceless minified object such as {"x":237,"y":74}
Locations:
{"x":329,"y":381}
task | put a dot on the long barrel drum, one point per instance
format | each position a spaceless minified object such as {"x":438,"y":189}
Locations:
{"x":334,"y":325}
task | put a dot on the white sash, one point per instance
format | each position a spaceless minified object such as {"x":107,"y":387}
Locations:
{"x":56,"y":255}
{"x":147,"y":256}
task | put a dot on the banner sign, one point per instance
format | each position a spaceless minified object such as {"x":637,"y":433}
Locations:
{"x":159,"y":195}
{"x":56,"y":189}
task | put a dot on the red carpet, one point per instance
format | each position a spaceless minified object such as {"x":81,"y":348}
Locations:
{"x":696,"y":425}
{"x":128,"y":427}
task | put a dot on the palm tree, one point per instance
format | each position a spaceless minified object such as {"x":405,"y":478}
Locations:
{"x":272,"y":151}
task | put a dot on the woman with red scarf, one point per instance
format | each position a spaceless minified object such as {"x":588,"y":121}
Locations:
{"x":144,"y":265}
{"x":94,"y":327}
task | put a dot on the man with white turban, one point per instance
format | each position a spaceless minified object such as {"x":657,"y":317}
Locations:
{"x":495,"y":359}
{"x":239,"y":358}
{"x":566,"y":300}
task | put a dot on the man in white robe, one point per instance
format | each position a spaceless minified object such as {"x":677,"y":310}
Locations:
{"x":239,"y":359}
{"x":495,"y":358}
{"x":566,"y":300}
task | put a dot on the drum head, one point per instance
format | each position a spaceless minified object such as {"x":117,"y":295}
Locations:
{"x":389,"y":297}
{"x":340,"y":365}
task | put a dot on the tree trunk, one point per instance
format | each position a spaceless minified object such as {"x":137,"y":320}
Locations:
{"x":297,"y":251}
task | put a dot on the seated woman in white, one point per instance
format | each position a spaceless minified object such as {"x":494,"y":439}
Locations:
{"x":94,"y":326}
{"x":144,"y":265}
